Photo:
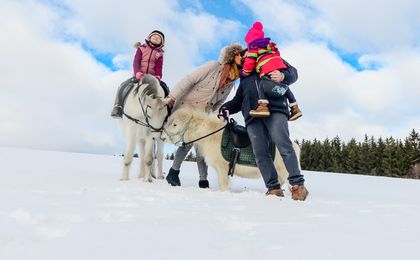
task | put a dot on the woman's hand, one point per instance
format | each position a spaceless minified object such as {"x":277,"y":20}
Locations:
{"x":170,"y":101}
{"x":276,"y":75}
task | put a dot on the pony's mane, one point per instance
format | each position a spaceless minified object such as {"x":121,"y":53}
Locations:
{"x":198,"y":114}
{"x":151,"y":86}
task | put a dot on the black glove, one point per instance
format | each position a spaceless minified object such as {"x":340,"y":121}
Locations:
{"x":223,"y":112}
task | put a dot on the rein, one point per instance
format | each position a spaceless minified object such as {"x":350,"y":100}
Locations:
{"x":207,"y":135}
{"x":181,"y":133}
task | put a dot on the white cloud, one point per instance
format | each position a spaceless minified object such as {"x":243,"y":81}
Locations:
{"x":55,"y":95}
{"x":350,"y":25}
{"x":336,"y":98}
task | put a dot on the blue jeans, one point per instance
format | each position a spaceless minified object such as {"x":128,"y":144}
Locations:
{"x":276,"y":128}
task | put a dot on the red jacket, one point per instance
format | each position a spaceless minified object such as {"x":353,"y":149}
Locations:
{"x":263,"y":57}
{"x":148,"y":60}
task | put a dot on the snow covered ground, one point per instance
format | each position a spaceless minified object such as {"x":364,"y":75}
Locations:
{"x":56,"y":205}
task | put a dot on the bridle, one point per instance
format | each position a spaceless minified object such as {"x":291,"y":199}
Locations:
{"x":181,"y":134}
{"x":146,"y":117}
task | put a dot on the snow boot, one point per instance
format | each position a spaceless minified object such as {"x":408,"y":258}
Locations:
{"x":204,"y":184}
{"x":295,"y":113}
{"x":117,"y":112}
{"x":277,"y":192}
{"x":299,"y":192}
{"x":173,"y":177}
{"x":260,"y":111}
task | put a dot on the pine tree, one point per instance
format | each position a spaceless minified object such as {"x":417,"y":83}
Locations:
{"x":316,"y":152}
{"x":352,"y":163}
{"x":379,"y":157}
{"x":336,"y":158}
{"x":365,"y":157}
{"x":325,"y":163}
{"x":389,"y":159}
{"x":305,"y":150}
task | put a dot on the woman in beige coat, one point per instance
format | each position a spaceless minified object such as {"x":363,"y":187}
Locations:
{"x":205,"y":89}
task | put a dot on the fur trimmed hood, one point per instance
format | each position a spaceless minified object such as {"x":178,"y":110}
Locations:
{"x":228,"y":53}
{"x":138,"y":44}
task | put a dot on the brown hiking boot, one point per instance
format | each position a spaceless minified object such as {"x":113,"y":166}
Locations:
{"x":299,"y":192}
{"x":117,"y":112}
{"x":295,"y":113}
{"x":277,"y":192}
{"x":261,"y":111}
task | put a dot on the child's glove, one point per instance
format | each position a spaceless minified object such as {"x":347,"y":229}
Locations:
{"x":139,"y":75}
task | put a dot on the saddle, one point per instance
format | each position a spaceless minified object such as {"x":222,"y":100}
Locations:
{"x":238,"y":135}
{"x":236,"y":147}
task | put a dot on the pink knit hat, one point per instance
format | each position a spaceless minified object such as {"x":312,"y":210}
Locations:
{"x":256,"y":32}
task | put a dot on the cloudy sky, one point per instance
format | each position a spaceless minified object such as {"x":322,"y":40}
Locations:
{"x":62,"y":61}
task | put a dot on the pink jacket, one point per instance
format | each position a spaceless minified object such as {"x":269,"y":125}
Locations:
{"x":148,"y":60}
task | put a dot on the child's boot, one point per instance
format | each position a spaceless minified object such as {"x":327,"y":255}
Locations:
{"x":117,"y":111}
{"x":261,"y":110}
{"x":295,"y":112}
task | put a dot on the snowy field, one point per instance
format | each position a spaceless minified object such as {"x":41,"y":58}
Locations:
{"x":56,"y":205}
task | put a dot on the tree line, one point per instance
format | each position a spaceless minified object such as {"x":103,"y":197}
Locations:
{"x":190,"y":157}
{"x":379,"y":157}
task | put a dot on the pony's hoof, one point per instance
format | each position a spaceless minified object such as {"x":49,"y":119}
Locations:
{"x":148,"y":180}
{"x":161,"y":177}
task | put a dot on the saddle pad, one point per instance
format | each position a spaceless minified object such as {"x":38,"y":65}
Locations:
{"x":246,"y":155}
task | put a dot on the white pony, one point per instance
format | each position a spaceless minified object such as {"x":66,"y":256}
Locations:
{"x":144,"y":114}
{"x":186,"y":125}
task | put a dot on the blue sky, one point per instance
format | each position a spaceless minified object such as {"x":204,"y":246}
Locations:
{"x":240,"y":13}
{"x":357,"y":66}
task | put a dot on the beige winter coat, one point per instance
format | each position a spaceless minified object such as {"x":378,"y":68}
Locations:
{"x":199,"y":89}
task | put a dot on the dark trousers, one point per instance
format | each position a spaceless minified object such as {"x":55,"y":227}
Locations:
{"x":289,"y":95}
{"x":126,"y":87}
{"x":275,"y":127}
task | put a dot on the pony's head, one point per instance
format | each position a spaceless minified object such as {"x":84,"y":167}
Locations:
{"x":178,"y":124}
{"x":152,"y":102}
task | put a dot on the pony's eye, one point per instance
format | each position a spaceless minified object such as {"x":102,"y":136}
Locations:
{"x":174,"y":125}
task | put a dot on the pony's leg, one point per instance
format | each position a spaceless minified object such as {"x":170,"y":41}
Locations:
{"x":141,"y":156}
{"x":128,"y":155}
{"x":280,"y":168}
{"x":159,"y":157}
{"x":147,"y":156}
{"x":222,"y":174}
